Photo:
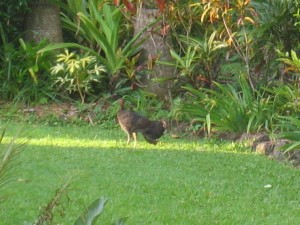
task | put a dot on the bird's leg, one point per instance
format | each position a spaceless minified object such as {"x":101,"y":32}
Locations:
{"x":134,"y":137}
{"x":128,"y":137}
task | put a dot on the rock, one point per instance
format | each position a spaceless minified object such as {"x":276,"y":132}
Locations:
{"x":272,"y":149}
{"x":294,"y":157}
{"x":277,"y":150}
{"x":254,"y":139}
{"x":264,"y":148}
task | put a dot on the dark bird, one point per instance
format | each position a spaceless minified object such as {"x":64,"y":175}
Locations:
{"x":132,"y":123}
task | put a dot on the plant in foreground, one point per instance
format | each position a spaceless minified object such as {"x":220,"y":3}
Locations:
{"x":88,"y":217}
{"x":91,"y":214}
{"x":8,"y":162}
{"x":55,"y":205}
{"x":47,"y":213}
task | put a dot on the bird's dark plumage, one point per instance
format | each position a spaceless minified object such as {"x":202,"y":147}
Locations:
{"x":132,"y":123}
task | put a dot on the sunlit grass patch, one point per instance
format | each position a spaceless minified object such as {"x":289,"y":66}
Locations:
{"x":93,"y":137}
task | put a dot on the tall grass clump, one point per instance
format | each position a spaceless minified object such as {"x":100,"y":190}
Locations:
{"x":237,"y":108}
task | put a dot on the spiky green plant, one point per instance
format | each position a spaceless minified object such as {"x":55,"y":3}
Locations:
{"x":229,"y":108}
{"x":198,"y":53}
{"x":290,"y":127}
{"x":8,"y":162}
{"x":100,"y":26}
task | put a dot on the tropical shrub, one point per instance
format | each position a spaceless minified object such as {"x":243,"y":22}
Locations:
{"x":237,"y":108}
{"x":99,"y":27}
{"x":77,"y":73}
{"x":24,"y":76}
{"x":277,"y":19}
{"x":235,"y":21}
{"x":275,"y":31}
{"x":229,"y":108}
{"x":183,"y":17}
{"x":252,"y":29}
{"x":285,"y":98}
{"x":198,"y":64}
{"x":11,"y":14}
{"x":288,"y":55}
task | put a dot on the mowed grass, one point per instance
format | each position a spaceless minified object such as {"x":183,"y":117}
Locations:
{"x":175,"y":182}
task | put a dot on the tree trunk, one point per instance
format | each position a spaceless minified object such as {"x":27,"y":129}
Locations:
{"x":43,"y":22}
{"x":156,"y":45}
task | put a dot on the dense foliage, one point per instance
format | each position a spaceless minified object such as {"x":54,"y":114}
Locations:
{"x":244,"y":50}
{"x":12,"y":15}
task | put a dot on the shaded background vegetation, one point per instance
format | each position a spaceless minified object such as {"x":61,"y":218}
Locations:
{"x":236,"y":67}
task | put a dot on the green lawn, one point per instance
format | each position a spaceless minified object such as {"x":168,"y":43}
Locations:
{"x":175,"y":182}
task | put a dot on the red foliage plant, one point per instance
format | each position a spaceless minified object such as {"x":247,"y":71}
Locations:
{"x":161,"y":5}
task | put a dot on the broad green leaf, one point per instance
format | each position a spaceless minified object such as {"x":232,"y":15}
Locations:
{"x":2,"y":135}
{"x":90,"y":216}
{"x":208,"y":124}
{"x":32,"y":72}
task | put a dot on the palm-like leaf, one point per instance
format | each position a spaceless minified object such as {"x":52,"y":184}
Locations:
{"x":90,"y":216}
{"x":8,"y":161}
{"x":103,"y":30}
